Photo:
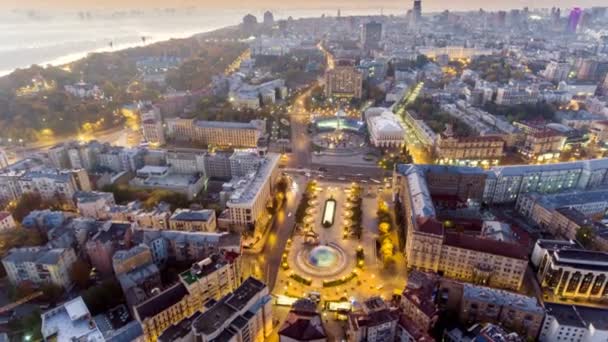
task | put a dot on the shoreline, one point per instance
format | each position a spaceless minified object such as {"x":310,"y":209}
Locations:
{"x":77,"y":56}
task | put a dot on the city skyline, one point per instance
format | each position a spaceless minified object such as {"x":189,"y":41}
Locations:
{"x":428,"y":5}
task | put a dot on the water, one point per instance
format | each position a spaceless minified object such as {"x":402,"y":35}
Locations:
{"x":323,"y":257}
{"x":60,"y":37}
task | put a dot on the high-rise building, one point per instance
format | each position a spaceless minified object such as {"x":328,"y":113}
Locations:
{"x":417,"y":12}
{"x":557,"y":71}
{"x":344,"y":80}
{"x":371,"y":35}
{"x":268,"y":18}
{"x":574,"y":19}
{"x":250,"y":22}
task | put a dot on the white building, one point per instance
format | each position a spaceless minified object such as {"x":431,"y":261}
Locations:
{"x":161,"y":177}
{"x":573,"y":323}
{"x":153,"y":131}
{"x":250,"y":194}
{"x":49,"y":184}
{"x":94,"y":204}
{"x":70,"y":321}
{"x":6,"y":221}
{"x":40,"y":265}
{"x":385,"y":130}
{"x":505,"y":183}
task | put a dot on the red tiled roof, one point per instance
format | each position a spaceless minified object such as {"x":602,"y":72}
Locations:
{"x":411,"y":327}
{"x":4,"y":214}
{"x":429,"y":225}
{"x":506,"y":249}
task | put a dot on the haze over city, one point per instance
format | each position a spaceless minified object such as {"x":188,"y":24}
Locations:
{"x":430,"y":5}
{"x":360,"y":171}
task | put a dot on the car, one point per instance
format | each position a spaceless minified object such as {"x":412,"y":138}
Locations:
{"x":341,"y":178}
{"x":289,"y":215}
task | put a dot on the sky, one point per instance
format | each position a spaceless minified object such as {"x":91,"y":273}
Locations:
{"x":428,"y":5}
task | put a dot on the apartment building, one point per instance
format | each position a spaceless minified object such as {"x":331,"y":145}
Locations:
{"x":110,"y":238}
{"x":52,"y":185}
{"x":93,"y":204}
{"x":70,"y":321}
{"x":344,"y":80}
{"x":153,"y":131}
{"x":248,"y":196}
{"x":7,"y":222}
{"x":182,"y":246}
{"x":213,"y":277}
{"x":489,"y":148}
{"x":208,"y":279}
{"x":543,"y":145}
{"x":513,"y":311}
{"x":429,"y":247}
{"x":228,"y":134}
{"x":573,"y":323}
{"x":506,"y":183}
{"x":540,"y":208}
{"x":375,"y":322}
{"x":566,"y":222}
{"x":40,"y":266}
{"x":159,"y":312}
{"x":137,"y":274}
{"x":193,"y":220}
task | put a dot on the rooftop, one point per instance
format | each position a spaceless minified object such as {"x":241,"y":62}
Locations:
{"x":36,"y":255}
{"x":578,"y":316}
{"x":179,"y":330}
{"x":70,"y":321}
{"x":247,"y":188}
{"x":482,"y":245}
{"x":501,"y":297}
{"x":420,"y":291}
{"x":161,"y":302}
{"x":204,"y":267}
{"x":92,"y":196}
{"x":225,"y":124}
{"x":570,"y":198}
{"x":575,"y":216}
{"x":582,"y":258}
{"x":192,"y":215}
{"x":228,"y":307}
{"x":303,"y":326}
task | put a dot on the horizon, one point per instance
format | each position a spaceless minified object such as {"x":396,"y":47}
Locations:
{"x":344,"y":5}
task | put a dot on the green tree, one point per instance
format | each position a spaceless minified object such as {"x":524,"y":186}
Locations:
{"x":80,"y":273}
{"x":104,"y":296}
{"x":585,"y":236}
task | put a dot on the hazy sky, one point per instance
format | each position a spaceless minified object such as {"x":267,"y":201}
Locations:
{"x":429,"y":5}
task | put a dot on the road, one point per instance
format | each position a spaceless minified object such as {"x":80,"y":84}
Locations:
{"x":266,"y":264}
{"x":301,"y":144}
{"x":115,"y":136}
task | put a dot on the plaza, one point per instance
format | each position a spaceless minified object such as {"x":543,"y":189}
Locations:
{"x":324,"y":260}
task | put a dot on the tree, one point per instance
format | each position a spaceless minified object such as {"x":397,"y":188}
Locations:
{"x":104,"y":296}
{"x":51,"y":293}
{"x":585,"y":236}
{"x":384,"y":228}
{"x":27,"y":203}
{"x":80,"y":273}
